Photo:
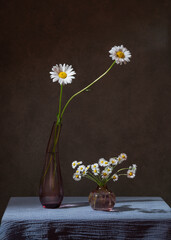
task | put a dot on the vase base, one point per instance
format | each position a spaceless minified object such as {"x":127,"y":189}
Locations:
{"x":51,"y":201}
{"x":103,"y":209}
{"x":52,"y":206}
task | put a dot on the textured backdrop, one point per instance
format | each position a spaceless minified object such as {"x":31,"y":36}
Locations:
{"x":127,"y":111}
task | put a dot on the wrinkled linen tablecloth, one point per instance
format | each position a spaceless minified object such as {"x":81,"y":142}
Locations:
{"x":132,"y":218}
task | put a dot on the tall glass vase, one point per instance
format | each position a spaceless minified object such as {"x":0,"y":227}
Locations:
{"x":51,"y":187}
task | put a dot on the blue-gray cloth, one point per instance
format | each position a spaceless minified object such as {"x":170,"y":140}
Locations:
{"x":132,"y":218}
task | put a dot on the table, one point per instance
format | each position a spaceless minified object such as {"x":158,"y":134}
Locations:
{"x":131,"y":218}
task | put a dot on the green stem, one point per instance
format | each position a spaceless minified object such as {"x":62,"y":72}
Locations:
{"x":99,"y":178}
{"x":90,"y":178}
{"x":111,"y":174}
{"x":56,"y":137}
{"x":48,"y":166}
{"x":53,"y":150}
{"x":86,"y":88}
{"x":60,"y":101}
{"x":108,"y":179}
{"x":59,"y":112}
{"x":54,"y":171}
{"x":122,"y":169}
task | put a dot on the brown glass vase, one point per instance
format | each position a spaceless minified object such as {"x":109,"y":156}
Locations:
{"x":102,"y":199}
{"x":51,"y":187}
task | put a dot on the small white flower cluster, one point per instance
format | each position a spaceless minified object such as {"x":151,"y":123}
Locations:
{"x":131,"y":171}
{"x":94,"y":173}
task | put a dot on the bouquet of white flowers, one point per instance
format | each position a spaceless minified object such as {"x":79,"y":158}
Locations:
{"x":103,"y":171}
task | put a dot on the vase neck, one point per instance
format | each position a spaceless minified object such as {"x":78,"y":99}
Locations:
{"x":53,"y":142}
{"x":102,"y":187}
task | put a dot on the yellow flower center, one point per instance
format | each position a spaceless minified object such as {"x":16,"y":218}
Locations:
{"x":106,"y":162}
{"x":62,"y":75}
{"x":77,"y":176}
{"x":95,"y":170}
{"x":114,"y":177}
{"x":120,"y":54}
{"x":104,"y":174}
{"x":74,"y":164}
{"x":130,"y":174}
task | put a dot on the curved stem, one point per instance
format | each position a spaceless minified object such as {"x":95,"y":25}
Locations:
{"x":122,"y":169}
{"x":111,"y":174}
{"x":85,"y":88}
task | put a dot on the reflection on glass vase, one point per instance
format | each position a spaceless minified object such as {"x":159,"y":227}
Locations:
{"x":102,"y":199}
{"x":51,"y":187}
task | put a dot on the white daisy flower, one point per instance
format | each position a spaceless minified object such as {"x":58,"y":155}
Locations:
{"x":77,"y":177}
{"x":94,"y":166}
{"x":85,"y":172}
{"x":96,"y":171}
{"x":78,"y":171}
{"x":78,"y":163}
{"x":113,"y":161}
{"x":120,"y":160}
{"x":108,"y":170}
{"x":122,"y":157}
{"x":106,"y":163}
{"x":74,"y":164}
{"x":130,"y":173}
{"x":104,"y":174}
{"x":133,"y":167}
{"x":87,"y":168}
{"x":115,"y":177}
{"x":62,"y":73}
{"x":120,"y":54}
{"x":81,"y":168}
{"x":101,"y":162}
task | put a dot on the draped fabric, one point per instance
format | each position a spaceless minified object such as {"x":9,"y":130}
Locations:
{"x":132,"y":218}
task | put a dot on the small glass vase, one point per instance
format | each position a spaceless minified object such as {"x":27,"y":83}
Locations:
{"x":102,"y":199}
{"x":51,"y":187}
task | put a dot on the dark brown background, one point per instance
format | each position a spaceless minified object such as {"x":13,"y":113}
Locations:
{"x":127,"y":111}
